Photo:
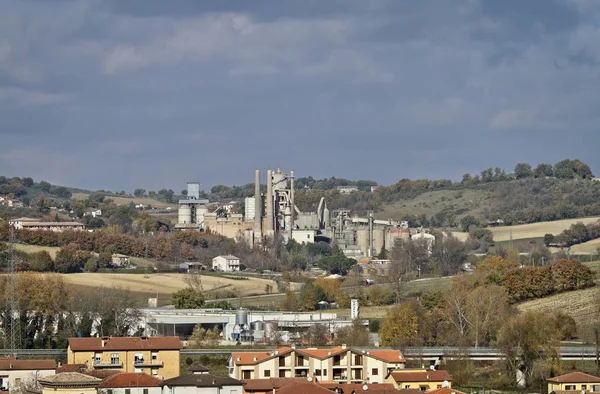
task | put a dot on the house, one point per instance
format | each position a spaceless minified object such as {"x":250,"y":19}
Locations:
{"x":190,"y":267}
{"x":13,"y":371}
{"x":202,"y":382}
{"x":120,"y":260}
{"x":156,"y":356}
{"x":93,"y":212}
{"x":574,"y":381}
{"x":36,"y":224}
{"x":69,"y":383}
{"x":303,"y":388}
{"x":348,"y":388}
{"x":422,"y":379}
{"x":226,"y":263}
{"x":347,"y":189}
{"x":339,"y":364}
{"x":130,"y":383}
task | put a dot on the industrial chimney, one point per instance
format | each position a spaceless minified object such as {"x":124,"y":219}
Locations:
{"x":257,"y":209}
{"x":270,"y":210}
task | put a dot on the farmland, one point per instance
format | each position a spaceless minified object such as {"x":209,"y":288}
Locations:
{"x":537,"y":230}
{"x":34,"y":249}
{"x":126,"y":200}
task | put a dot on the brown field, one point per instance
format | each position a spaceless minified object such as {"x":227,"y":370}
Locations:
{"x":587,"y":247}
{"x":168,"y":283}
{"x":579,"y":304}
{"x":536,"y":230}
{"x":460,"y":235}
{"x":127,"y":200}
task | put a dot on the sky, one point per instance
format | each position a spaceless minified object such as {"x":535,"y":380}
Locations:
{"x":122,"y":94}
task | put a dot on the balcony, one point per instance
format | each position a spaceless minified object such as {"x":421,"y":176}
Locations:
{"x":111,"y":364}
{"x":147,"y":364}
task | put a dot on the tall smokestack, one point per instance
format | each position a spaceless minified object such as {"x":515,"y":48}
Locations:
{"x":270,"y":211}
{"x":257,"y":207}
{"x":371,"y":234}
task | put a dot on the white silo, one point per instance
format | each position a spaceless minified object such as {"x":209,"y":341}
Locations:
{"x":185,"y":214}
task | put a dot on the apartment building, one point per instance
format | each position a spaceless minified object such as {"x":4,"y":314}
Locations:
{"x":338,"y":364}
{"x":155,"y":356}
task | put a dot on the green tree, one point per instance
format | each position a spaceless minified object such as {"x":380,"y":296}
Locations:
{"x":543,"y":170}
{"x":187,"y":299}
{"x":467,"y":221}
{"x":139,"y":193}
{"x":523,"y":170}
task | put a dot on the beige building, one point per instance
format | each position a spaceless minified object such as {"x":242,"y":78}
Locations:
{"x":420,"y":379}
{"x":339,"y":364}
{"x":232,"y":226}
{"x":37,"y":224}
{"x":156,"y":356}
{"x":130,"y":383}
{"x":69,"y":383}
{"x":14,"y":372}
{"x":574,"y":382}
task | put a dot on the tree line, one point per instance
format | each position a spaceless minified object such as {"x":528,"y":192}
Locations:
{"x":576,"y":234}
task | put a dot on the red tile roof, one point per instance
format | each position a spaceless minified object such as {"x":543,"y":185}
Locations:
{"x":420,"y":375}
{"x":575,"y":377}
{"x":252,"y":358}
{"x":24,"y":365}
{"x":70,"y":368}
{"x":389,"y":356}
{"x":124,"y":343}
{"x":322,"y":353}
{"x":126,"y":380}
{"x":444,"y":390}
{"x":349,"y":388}
{"x":270,"y":383}
{"x":303,"y":388}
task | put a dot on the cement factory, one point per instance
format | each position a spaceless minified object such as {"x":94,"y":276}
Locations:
{"x":274,"y":212}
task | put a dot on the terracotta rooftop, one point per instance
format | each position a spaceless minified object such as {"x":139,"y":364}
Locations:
{"x":575,"y":377}
{"x":445,"y":390}
{"x":303,"y":388}
{"x":70,"y":368}
{"x":251,"y":358}
{"x":127,"y":380}
{"x":420,"y":375}
{"x":69,"y":379}
{"x":124,"y":343}
{"x":202,"y":380}
{"x":390,"y":356}
{"x":23,"y":365}
{"x":102,"y":373}
{"x":270,"y":383}
{"x":349,"y":388}
{"x":323,"y":353}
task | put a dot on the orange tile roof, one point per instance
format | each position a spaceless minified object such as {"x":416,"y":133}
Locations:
{"x":269,"y":384}
{"x":349,"y":388}
{"x":24,"y":365}
{"x":130,"y":380}
{"x":303,"y":388}
{"x":252,"y":358}
{"x":420,"y":375}
{"x":444,"y":390}
{"x":322,"y":353}
{"x":124,"y":343}
{"x":389,"y":356}
{"x":575,"y":377}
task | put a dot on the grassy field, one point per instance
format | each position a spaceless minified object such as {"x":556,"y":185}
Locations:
{"x":460,"y":202}
{"x":587,"y":247}
{"x":536,"y":230}
{"x":127,"y":200}
{"x":33,"y":249}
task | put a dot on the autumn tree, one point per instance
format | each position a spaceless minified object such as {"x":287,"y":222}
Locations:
{"x":353,"y":335}
{"x":486,"y":308}
{"x":317,"y":335}
{"x":202,"y":337}
{"x":399,"y":326}
{"x":527,"y":338}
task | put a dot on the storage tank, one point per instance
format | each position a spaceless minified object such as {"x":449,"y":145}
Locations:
{"x":258,"y":325}
{"x":185,"y":214}
{"x":396,"y":234}
{"x":378,"y":240}
{"x":241,"y":317}
{"x":362,"y":240}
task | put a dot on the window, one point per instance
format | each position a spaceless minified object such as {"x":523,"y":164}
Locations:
{"x":282,"y":361}
{"x":336,"y":360}
{"x":114,"y":358}
{"x":439,"y":386}
{"x":155,"y":372}
{"x":374,"y":372}
{"x":282,"y":374}
{"x":407,"y":386}
{"x":357,"y":359}
{"x":570,"y":387}
{"x":324,"y":372}
{"x":127,"y":391}
{"x":109,"y":391}
{"x":97,"y":358}
{"x":246,"y":375}
{"x":300,"y":362}
{"x":317,"y":372}
{"x":145,"y":391}
{"x":584,"y":386}
{"x":154,"y":356}
{"x":267,"y":374}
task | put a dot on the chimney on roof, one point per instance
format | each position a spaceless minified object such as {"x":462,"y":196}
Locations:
{"x":343,"y":346}
{"x":239,"y":359}
{"x":294,"y":346}
{"x":254,"y":358}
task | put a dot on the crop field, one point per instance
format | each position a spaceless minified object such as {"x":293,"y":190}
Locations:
{"x":168,"y":283}
{"x":461,"y":202}
{"x":579,"y":304}
{"x":537,"y":230}
{"x":587,"y":247}
{"x":127,"y":200}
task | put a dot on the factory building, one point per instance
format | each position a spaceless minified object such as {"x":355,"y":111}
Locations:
{"x":192,"y":209}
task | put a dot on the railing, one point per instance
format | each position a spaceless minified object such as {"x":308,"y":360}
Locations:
{"x":112,"y":364}
{"x":152,"y":363}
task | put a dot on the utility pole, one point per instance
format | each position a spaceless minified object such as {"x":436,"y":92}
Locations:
{"x":13,"y":323}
